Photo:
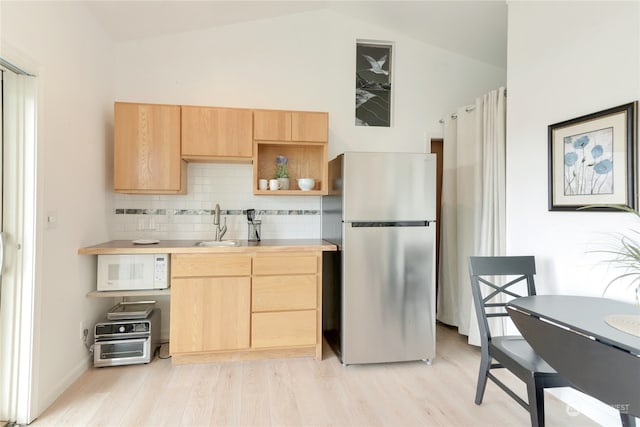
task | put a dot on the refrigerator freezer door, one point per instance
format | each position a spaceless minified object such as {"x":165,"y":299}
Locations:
{"x":388,"y":294}
{"x":389,"y":186}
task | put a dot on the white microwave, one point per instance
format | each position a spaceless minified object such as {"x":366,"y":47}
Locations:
{"x":129,"y":272}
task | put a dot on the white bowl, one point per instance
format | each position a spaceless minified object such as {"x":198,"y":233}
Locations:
{"x":306,"y":184}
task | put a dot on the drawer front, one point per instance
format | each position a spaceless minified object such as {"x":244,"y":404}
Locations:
{"x":207,"y":265}
{"x":282,"y":264}
{"x":271,"y":293}
{"x":283,"y":329}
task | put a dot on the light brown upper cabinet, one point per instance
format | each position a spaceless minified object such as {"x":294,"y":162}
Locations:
{"x":217,"y":134}
{"x":302,"y":137}
{"x":302,"y":126}
{"x":309,"y":126}
{"x":272,"y":125}
{"x":147,"y":149}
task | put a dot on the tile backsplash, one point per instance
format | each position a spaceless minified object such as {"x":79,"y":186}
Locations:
{"x":190,"y":216}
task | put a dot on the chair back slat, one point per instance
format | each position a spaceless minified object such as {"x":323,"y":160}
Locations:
{"x":503,"y":265}
{"x":488,"y":273}
{"x":505,"y":314}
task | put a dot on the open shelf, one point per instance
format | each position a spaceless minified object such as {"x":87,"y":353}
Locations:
{"x":118,"y":294}
{"x":305,"y":160}
{"x":288,"y":192}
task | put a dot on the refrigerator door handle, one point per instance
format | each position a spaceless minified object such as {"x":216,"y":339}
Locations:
{"x":390,"y":224}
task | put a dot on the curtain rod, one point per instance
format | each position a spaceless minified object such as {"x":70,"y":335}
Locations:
{"x":14,"y":68}
{"x":455,"y":116}
{"x":467,"y":110}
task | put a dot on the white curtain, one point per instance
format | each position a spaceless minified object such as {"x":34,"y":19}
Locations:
{"x":17,"y":299}
{"x":473,"y":203}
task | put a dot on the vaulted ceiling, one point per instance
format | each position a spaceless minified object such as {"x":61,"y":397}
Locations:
{"x":477,"y":29}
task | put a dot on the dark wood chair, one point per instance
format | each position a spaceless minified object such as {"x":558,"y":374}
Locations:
{"x":509,"y":352}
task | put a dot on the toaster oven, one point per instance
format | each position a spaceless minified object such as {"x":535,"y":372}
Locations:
{"x":127,"y":341}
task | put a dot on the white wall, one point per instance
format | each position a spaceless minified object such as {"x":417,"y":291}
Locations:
{"x":304,"y":61}
{"x":73,"y":60}
{"x":565,"y":60}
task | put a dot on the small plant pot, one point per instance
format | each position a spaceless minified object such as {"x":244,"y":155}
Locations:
{"x":284,"y":183}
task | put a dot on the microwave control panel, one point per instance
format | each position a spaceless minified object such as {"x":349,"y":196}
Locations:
{"x":161,"y":270}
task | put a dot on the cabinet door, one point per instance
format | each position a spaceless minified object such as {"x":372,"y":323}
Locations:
{"x":147,"y":149}
{"x":216,"y":132}
{"x":272,"y":125}
{"x":309,"y":127}
{"x":210,"y":314}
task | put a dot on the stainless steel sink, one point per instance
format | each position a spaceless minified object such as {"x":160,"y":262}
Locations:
{"x":214,"y":243}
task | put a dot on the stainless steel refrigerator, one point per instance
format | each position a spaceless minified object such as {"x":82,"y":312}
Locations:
{"x":379,"y":288}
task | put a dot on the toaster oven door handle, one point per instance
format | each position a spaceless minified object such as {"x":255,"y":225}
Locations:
{"x":116,"y":340}
{"x":125,"y":354}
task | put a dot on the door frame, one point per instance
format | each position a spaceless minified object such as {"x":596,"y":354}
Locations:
{"x":437,"y":148}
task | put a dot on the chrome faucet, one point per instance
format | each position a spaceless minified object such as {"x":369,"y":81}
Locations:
{"x":216,"y":221}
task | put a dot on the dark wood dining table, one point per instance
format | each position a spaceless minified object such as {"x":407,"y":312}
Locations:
{"x":572,"y":334}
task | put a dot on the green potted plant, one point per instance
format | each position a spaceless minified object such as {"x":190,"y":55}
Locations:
{"x":282,"y":172}
{"x":625,"y":255}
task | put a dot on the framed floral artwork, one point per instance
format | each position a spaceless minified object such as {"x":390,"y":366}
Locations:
{"x":592,"y":160}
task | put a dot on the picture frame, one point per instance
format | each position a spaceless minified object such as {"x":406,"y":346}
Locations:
{"x":373,"y":83}
{"x":592,"y":161}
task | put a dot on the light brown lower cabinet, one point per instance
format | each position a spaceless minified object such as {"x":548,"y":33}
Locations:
{"x":278,"y":293}
{"x":210,"y":303}
{"x":211,"y":314}
{"x":284,"y":310}
{"x":245,"y":306}
{"x":286,"y":302}
{"x":282,"y":329}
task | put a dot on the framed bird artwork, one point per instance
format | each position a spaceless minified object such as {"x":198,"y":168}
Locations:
{"x":373,"y":83}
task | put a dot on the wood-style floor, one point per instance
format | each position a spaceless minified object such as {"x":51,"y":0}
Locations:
{"x":298,"y":392}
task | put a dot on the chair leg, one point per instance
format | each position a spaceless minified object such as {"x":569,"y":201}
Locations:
{"x":627,"y":420}
{"x":535,"y":393}
{"x":485,"y":365}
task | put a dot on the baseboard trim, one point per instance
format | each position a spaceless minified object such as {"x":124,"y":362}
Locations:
{"x":45,"y":401}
